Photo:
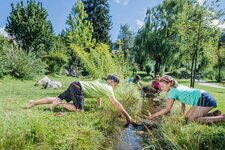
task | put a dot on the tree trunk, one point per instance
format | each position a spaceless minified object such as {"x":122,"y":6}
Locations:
{"x":192,"y":65}
{"x":196,"y":60}
{"x":157,"y":67}
{"x":219,"y":75}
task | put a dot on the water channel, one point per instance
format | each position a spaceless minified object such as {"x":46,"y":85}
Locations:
{"x":135,"y":136}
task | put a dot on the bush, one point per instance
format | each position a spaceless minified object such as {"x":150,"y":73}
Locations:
{"x":3,"y":69}
{"x":4,"y":49}
{"x":135,"y":68}
{"x":209,"y":74}
{"x":99,"y":61}
{"x":148,"y":68}
{"x":222,"y":76}
{"x":55,"y":60}
{"x":24,"y":66}
{"x":181,"y":73}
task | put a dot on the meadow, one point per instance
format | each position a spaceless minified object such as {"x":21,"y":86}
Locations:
{"x":98,"y":126}
{"x":39,"y":128}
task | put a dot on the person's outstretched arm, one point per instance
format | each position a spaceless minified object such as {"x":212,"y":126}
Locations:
{"x":120,"y":108}
{"x":165,"y":110}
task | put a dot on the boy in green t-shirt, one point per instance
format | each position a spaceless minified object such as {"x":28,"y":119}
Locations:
{"x":88,"y":89}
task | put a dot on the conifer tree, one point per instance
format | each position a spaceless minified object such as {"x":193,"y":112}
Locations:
{"x":98,"y":15}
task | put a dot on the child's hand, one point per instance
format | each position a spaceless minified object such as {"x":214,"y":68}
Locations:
{"x":129,"y":119}
{"x":149,"y":116}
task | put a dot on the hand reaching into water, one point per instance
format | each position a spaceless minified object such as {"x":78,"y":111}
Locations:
{"x":129,"y":119}
{"x":149,"y":117}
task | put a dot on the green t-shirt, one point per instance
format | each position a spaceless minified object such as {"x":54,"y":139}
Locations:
{"x":131,"y":80}
{"x":96,"y":89}
{"x":185,"y":94}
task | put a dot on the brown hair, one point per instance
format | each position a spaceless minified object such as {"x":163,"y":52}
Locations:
{"x":137,"y":77}
{"x":168,"y":79}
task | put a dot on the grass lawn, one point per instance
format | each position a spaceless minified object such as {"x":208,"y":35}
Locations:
{"x":38,"y":128}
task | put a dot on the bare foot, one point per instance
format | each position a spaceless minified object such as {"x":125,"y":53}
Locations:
{"x":217,"y":113}
{"x":55,"y":103}
{"x":214,"y":113}
{"x":30,"y":104}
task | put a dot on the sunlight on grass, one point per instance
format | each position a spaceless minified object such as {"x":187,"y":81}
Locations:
{"x":38,"y":128}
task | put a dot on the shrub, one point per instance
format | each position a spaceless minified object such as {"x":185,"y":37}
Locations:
{"x":55,"y":61}
{"x":209,"y":74}
{"x":222,"y":76}
{"x":99,"y":61}
{"x":4,"y":49}
{"x":135,"y":68}
{"x":148,"y":68}
{"x":24,"y":66}
{"x":3,"y":69}
{"x":181,"y":73}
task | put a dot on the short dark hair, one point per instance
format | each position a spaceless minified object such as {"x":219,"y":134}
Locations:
{"x":114,"y":78}
{"x":138,"y":77}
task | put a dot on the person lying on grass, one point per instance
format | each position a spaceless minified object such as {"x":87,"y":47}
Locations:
{"x":88,"y":89}
{"x":201,"y":101}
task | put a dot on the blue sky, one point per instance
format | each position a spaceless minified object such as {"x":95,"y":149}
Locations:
{"x":131,"y":12}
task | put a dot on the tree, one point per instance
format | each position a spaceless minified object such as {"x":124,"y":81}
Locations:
{"x":30,"y":27}
{"x":98,"y":15}
{"x":79,"y":30}
{"x":126,"y":36}
{"x":198,"y":36}
{"x":157,"y":38}
{"x":220,"y":53}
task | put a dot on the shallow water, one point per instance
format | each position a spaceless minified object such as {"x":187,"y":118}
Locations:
{"x":135,"y":137}
{"x":129,"y":139}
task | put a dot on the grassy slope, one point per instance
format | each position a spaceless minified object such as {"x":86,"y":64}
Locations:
{"x":38,"y":128}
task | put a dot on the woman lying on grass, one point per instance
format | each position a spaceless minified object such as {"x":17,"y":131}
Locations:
{"x":201,"y":102}
{"x":88,"y":89}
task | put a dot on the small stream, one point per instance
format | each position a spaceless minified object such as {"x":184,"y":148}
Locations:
{"x":135,"y":137}
{"x":129,"y":139}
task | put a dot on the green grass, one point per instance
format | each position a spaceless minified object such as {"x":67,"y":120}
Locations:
{"x":38,"y":128}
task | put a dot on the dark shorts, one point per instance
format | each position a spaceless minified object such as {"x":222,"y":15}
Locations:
{"x":74,"y":93}
{"x":206,"y":100}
